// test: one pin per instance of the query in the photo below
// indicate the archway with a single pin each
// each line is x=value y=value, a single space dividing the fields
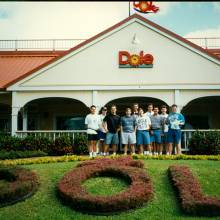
x=55 y=114
x=202 y=113
x=123 y=103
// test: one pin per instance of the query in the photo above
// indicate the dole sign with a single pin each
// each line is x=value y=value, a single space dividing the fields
x=141 y=60
x=145 y=7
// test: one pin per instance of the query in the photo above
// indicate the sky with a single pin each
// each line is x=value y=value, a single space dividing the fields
x=68 y=20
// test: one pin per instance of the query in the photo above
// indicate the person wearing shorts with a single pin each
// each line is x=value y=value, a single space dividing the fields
x=149 y=113
x=92 y=122
x=111 y=124
x=175 y=121
x=164 y=135
x=143 y=124
x=156 y=130
x=128 y=130
x=102 y=132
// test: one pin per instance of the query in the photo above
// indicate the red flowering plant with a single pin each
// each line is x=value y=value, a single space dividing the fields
x=17 y=184
x=140 y=191
x=193 y=201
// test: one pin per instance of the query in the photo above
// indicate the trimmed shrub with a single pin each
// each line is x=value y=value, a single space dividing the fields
x=20 y=154
x=9 y=143
x=205 y=143
x=191 y=197
x=140 y=191
x=16 y=184
x=80 y=146
x=61 y=146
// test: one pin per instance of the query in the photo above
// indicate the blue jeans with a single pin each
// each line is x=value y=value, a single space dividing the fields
x=111 y=138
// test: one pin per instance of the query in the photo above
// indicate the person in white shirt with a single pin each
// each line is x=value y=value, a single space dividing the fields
x=92 y=121
x=143 y=124
x=150 y=111
x=164 y=134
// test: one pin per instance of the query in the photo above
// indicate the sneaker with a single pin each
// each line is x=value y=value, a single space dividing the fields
x=114 y=154
x=125 y=154
x=145 y=152
x=133 y=154
x=150 y=154
x=167 y=153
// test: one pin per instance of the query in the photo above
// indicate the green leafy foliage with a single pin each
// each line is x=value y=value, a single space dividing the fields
x=80 y=144
x=205 y=143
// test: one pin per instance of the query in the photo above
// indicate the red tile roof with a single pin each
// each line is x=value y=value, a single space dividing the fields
x=14 y=64
x=48 y=61
x=216 y=52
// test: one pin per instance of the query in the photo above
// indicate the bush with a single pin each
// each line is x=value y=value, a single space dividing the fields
x=80 y=146
x=20 y=154
x=36 y=143
x=18 y=184
x=205 y=143
x=61 y=146
x=191 y=197
x=140 y=191
x=9 y=143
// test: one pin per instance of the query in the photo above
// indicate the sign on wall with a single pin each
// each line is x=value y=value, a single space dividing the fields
x=145 y=7
x=141 y=60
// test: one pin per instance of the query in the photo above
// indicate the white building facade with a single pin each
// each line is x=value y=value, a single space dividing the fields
x=90 y=74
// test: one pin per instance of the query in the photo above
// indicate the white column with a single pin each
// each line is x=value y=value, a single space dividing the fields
x=95 y=100
x=24 y=119
x=14 y=120
x=177 y=100
x=14 y=114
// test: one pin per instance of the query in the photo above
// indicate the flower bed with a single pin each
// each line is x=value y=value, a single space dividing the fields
x=70 y=158
x=140 y=191
x=16 y=184
x=192 y=199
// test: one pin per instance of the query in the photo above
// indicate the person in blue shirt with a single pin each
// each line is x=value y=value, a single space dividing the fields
x=175 y=121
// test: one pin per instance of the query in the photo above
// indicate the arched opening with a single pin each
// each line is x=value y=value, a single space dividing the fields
x=123 y=103
x=202 y=113
x=5 y=118
x=55 y=114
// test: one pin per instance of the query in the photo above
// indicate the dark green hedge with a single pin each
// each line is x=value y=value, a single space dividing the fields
x=205 y=143
x=60 y=146
x=20 y=154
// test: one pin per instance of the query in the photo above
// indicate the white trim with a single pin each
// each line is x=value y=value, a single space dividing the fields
x=181 y=43
x=115 y=87
x=12 y=87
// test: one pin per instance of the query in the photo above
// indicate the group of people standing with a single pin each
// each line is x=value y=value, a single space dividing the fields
x=150 y=132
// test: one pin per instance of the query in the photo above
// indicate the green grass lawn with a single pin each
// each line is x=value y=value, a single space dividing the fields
x=44 y=205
